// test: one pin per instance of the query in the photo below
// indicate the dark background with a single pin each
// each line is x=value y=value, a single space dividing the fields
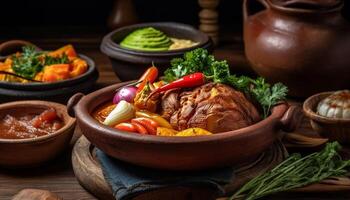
x=25 y=19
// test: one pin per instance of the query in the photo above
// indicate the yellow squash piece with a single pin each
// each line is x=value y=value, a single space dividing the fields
x=162 y=131
x=193 y=132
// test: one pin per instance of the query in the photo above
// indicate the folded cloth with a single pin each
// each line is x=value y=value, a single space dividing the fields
x=127 y=180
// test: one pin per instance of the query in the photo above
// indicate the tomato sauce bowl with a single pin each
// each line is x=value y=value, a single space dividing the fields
x=32 y=151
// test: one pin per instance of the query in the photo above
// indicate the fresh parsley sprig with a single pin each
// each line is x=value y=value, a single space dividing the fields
x=199 y=60
x=27 y=64
x=30 y=62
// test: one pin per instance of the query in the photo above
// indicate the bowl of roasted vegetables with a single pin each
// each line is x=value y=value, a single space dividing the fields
x=196 y=115
x=132 y=48
x=32 y=73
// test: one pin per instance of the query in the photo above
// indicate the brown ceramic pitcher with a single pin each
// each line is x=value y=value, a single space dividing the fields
x=304 y=44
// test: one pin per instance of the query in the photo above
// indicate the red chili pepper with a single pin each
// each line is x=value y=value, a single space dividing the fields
x=145 y=123
x=125 y=127
x=191 y=80
x=140 y=128
x=150 y=75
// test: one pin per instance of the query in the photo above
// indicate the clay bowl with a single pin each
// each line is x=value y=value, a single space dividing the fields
x=179 y=153
x=332 y=128
x=130 y=64
x=19 y=153
x=61 y=90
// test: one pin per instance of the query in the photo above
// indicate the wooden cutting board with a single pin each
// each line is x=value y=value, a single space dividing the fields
x=89 y=174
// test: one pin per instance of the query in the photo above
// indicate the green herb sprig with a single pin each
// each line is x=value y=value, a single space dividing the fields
x=296 y=171
x=199 y=60
x=30 y=62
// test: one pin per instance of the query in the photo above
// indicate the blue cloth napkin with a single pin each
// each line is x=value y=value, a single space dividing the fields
x=127 y=180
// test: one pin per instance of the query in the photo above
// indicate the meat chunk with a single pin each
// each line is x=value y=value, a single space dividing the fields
x=214 y=107
x=170 y=103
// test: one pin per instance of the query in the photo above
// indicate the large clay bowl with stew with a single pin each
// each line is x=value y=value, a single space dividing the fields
x=179 y=153
x=129 y=64
x=29 y=152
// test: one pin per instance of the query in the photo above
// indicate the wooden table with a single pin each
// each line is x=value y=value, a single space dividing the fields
x=57 y=176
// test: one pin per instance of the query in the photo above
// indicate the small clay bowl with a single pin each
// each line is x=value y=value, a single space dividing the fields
x=332 y=128
x=129 y=64
x=180 y=153
x=20 y=153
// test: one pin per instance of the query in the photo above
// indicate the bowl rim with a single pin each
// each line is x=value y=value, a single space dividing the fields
x=81 y=110
x=62 y=83
x=37 y=103
x=311 y=103
x=109 y=44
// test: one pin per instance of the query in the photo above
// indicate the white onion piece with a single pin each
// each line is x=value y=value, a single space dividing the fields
x=124 y=111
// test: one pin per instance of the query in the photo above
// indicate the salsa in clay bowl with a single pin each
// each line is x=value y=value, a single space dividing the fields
x=195 y=116
x=33 y=132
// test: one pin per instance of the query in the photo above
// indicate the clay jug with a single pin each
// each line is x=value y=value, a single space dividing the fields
x=304 y=44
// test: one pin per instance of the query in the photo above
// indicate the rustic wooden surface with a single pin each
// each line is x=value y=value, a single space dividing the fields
x=57 y=176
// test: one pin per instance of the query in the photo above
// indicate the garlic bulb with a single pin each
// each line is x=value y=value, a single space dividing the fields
x=337 y=105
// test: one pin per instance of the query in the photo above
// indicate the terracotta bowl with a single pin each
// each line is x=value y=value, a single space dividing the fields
x=332 y=128
x=18 y=153
x=179 y=153
x=130 y=64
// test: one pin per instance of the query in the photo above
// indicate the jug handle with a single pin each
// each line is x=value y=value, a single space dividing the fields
x=246 y=7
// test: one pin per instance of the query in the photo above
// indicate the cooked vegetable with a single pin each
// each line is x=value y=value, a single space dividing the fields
x=56 y=72
x=193 y=132
x=149 y=121
x=45 y=117
x=67 y=50
x=145 y=123
x=296 y=171
x=188 y=81
x=150 y=76
x=124 y=111
x=143 y=101
x=125 y=93
x=336 y=105
x=126 y=127
x=33 y=66
x=162 y=131
x=199 y=60
x=139 y=128
x=157 y=118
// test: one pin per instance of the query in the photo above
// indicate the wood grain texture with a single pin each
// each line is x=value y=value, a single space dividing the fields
x=35 y=194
